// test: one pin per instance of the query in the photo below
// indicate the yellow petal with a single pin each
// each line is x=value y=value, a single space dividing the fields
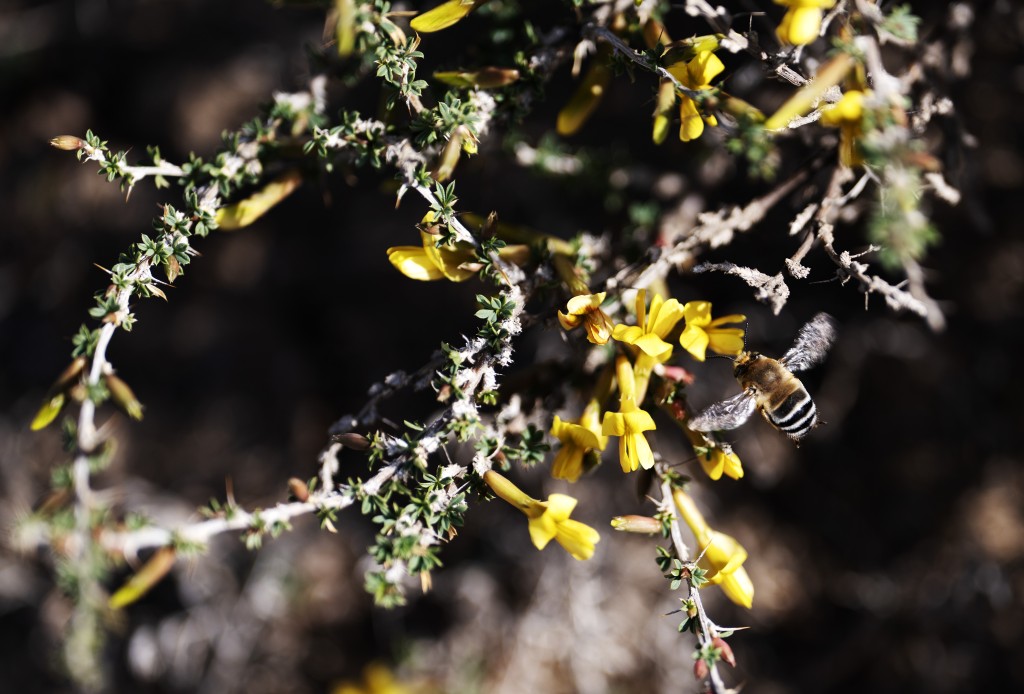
x=144 y=579
x=640 y=449
x=542 y=530
x=726 y=340
x=568 y=463
x=670 y=313
x=697 y=312
x=48 y=412
x=578 y=539
x=800 y=26
x=560 y=429
x=585 y=99
x=559 y=506
x=733 y=467
x=578 y=305
x=713 y=463
x=731 y=318
x=245 y=212
x=413 y=262
x=627 y=333
x=666 y=99
x=738 y=587
x=569 y=320
x=695 y=341
x=442 y=16
x=654 y=346
x=638 y=421
x=627 y=456
x=449 y=260
x=691 y=125
x=849 y=109
x=704 y=68
x=614 y=424
x=345 y=30
x=598 y=326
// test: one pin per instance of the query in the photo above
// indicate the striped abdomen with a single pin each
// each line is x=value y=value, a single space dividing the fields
x=796 y=414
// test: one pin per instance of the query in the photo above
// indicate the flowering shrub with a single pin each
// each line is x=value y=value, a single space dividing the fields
x=637 y=291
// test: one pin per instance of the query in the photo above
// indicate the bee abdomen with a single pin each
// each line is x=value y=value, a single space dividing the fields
x=796 y=415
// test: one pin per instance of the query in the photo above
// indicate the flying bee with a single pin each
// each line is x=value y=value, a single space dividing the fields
x=769 y=385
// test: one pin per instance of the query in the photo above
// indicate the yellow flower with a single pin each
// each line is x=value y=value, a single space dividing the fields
x=586 y=97
x=847 y=115
x=548 y=520
x=652 y=326
x=701 y=332
x=428 y=262
x=443 y=16
x=629 y=422
x=716 y=459
x=695 y=75
x=585 y=310
x=377 y=679
x=577 y=440
x=802 y=22
x=723 y=555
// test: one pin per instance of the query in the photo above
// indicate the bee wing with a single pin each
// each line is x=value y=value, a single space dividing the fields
x=811 y=343
x=727 y=414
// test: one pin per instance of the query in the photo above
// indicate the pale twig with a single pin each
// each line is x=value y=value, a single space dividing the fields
x=707 y=630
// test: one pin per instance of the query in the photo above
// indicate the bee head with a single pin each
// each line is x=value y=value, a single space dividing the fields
x=743 y=362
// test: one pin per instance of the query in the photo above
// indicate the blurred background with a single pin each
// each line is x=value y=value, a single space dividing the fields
x=887 y=551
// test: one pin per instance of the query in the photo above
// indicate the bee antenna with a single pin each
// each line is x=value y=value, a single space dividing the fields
x=722 y=356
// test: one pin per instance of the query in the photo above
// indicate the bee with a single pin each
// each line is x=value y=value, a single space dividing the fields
x=769 y=385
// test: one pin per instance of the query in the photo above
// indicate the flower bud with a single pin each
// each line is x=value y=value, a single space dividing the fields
x=484 y=78
x=357 y=442
x=700 y=669
x=123 y=396
x=637 y=524
x=298 y=489
x=69 y=143
x=724 y=649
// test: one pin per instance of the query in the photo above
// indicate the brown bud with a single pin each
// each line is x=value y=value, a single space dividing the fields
x=298 y=489
x=357 y=442
x=69 y=375
x=725 y=650
x=124 y=396
x=172 y=268
x=700 y=669
x=69 y=143
x=654 y=33
x=494 y=77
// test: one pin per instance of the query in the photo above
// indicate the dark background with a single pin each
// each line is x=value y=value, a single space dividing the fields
x=886 y=551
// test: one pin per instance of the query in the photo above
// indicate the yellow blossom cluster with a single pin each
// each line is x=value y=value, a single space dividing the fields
x=649 y=338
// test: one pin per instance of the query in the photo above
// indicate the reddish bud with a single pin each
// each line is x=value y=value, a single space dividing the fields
x=700 y=669
x=725 y=650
